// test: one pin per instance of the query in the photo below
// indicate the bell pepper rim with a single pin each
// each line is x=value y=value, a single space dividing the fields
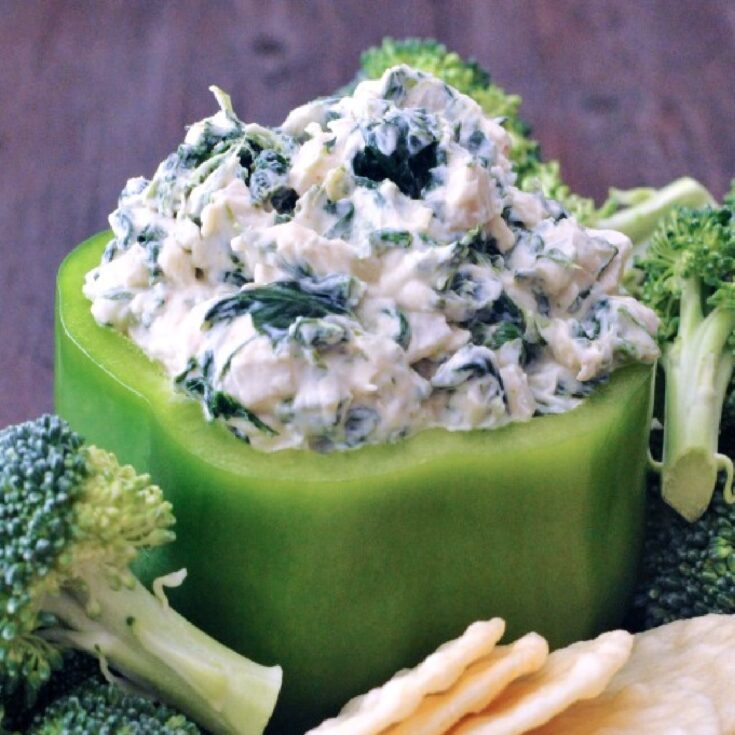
x=184 y=421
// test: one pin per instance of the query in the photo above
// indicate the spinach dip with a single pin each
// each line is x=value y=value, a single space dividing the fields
x=362 y=272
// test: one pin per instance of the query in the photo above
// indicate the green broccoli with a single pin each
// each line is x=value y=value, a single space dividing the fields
x=688 y=568
x=634 y=212
x=688 y=272
x=76 y=668
x=96 y=706
x=73 y=520
x=637 y=212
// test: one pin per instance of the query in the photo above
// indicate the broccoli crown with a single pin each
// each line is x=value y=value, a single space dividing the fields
x=71 y=522
x=429 y=56
x=62 y=506
x=42 y=468
x=95 y=706
x=695 y=246
x=76 y=668
x=688 y=568
x=730 y=196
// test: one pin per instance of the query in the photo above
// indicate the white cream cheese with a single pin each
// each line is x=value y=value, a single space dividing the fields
x=365 y=271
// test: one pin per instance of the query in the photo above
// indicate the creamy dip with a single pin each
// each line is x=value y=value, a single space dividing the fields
x=363 y=272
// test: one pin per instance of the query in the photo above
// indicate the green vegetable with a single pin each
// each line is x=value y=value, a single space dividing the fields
x=73 y=521
x=197 y=381
x=688 y=274
x=348 y=566
x=688 y=568
x=637 y=212
x=16 y=711
x=274 y=308
x=95 y=706
x=402 y=147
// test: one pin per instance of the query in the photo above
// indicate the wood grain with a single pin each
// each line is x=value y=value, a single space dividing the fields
x=624 y=92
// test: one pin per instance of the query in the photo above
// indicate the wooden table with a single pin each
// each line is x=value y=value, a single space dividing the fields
x=624 y=92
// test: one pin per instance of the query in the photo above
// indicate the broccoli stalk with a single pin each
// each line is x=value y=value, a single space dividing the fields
x=688 y=279
x=637 y=212
x=73 y=521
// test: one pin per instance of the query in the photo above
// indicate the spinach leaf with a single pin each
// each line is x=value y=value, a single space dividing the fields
x=197 y=380
x=275 y=307
x=389 y=238
x=480 y=248
x=470 y=361
x=317 y=334
x=496 y=324
x=268 y=176
x=344 y=210
x=403 y=147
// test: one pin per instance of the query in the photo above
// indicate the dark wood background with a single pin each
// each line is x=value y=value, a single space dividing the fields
x=624 y=92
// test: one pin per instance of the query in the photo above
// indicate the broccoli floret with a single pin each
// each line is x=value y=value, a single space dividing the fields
x=688 y=568
x=76 y=668
x=729 y=199
x=427 y=55
x=95 y=706
x=688 y=273
x=73 y=520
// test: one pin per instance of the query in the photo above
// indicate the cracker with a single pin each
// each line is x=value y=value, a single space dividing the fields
x=382 y=707
x=653 y=708
x=702 y=649
x=476 y=688
x=580 y=671
x=671 y=666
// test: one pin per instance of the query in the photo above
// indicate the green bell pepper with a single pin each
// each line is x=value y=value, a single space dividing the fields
x=346 y=567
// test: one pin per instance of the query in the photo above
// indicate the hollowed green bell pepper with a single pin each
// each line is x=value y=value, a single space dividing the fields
x=346 y=567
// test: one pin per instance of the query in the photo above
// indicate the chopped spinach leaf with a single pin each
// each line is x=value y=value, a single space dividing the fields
x=344 y=210
x=122 y=227
x=403 y=147
x=402 y=334
x=502 y=333
x=197 y=380
x=211 y=142
x=468 y=362
x=317 y=333
x=275 y=307
x=268 y=176
x=386 y=239
x=361 y=421
x=480 y=248
x=235 y=278
x=503 y=311
x=595 y=321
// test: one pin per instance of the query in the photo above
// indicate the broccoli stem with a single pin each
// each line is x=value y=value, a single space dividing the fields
x=640 y=220
x=166 y=656
x=698 y=367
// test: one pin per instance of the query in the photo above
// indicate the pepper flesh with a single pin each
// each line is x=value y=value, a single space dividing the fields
x=346 y=567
